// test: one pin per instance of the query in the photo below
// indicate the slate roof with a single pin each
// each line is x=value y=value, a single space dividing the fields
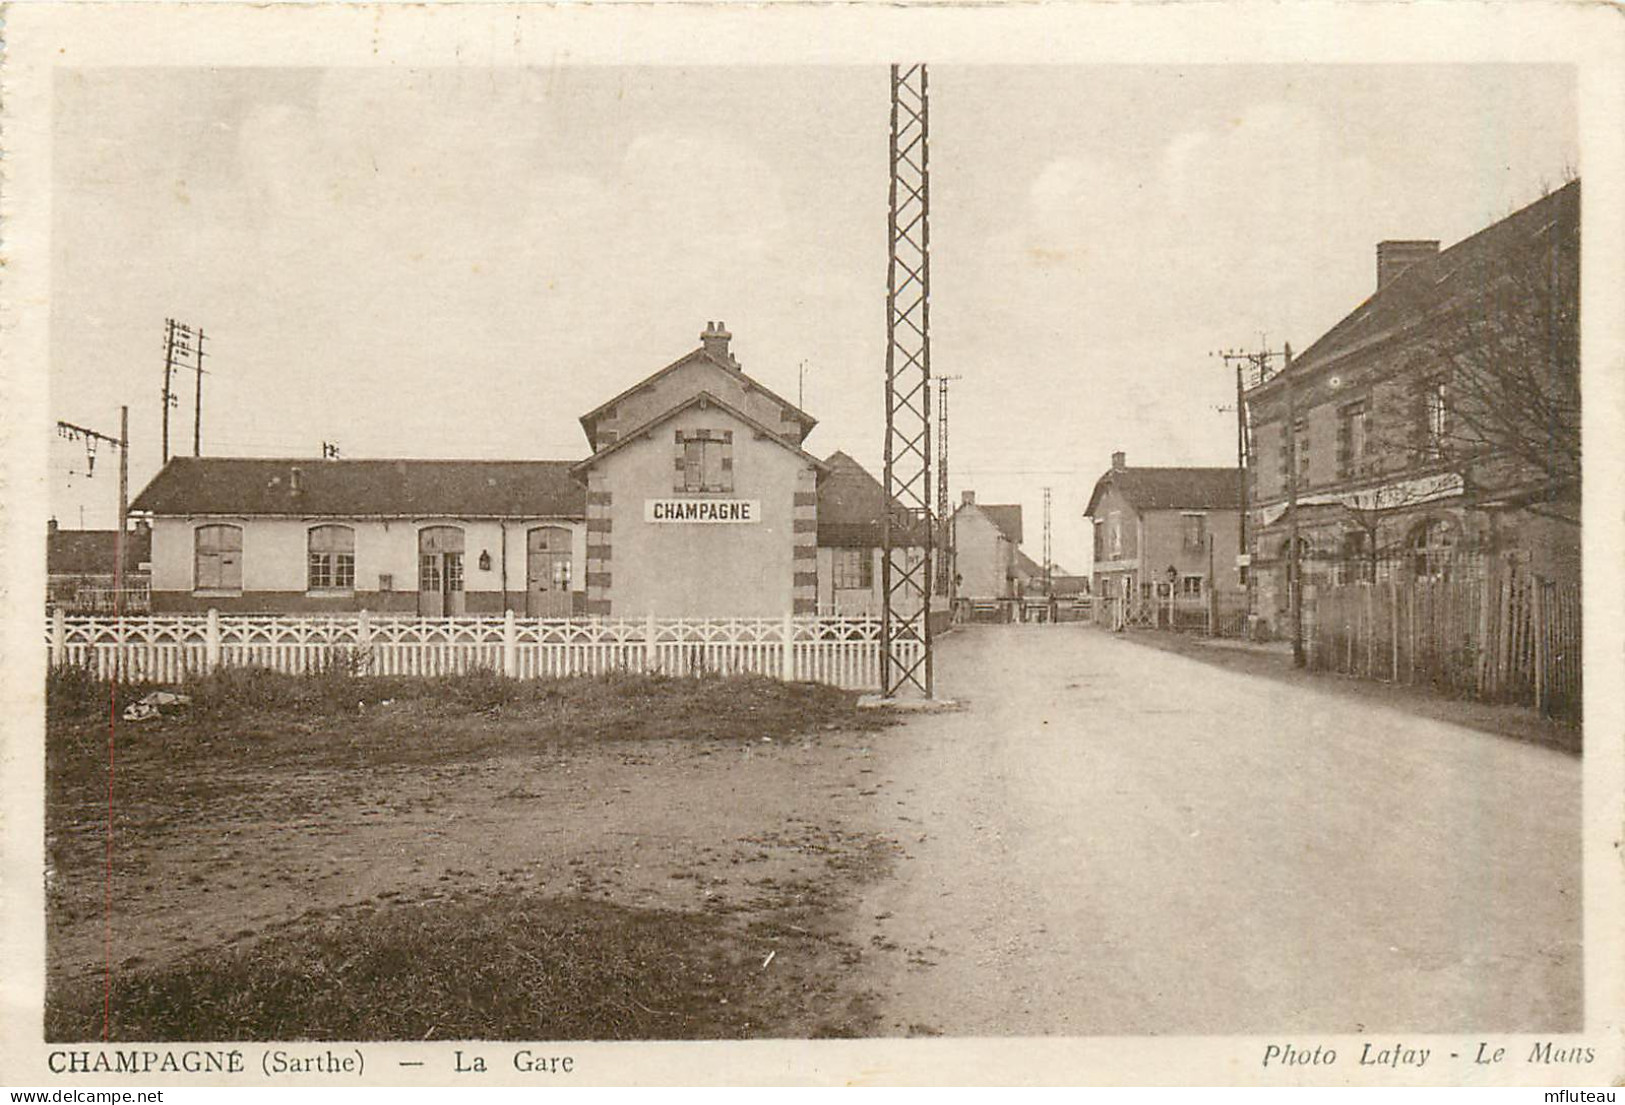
x=699 y=398
x=590 y=420
x=1007 y=516
x=1414 y=292
x=1060 y=584
x=850 y=508
x=365 y=488
x=1171 y=488
x=90 y=551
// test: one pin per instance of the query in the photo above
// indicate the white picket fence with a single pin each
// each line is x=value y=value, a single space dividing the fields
x=842 y=651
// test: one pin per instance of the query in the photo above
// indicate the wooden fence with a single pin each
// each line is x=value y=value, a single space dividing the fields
x=1214 y=614
x=97 y=595
x=1505 y=637
x=841 y=651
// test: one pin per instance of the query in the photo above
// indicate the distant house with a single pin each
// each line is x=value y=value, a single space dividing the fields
x=1156 y=527
x=1438 y=423
x=1065 y=585
x=851 y=513
x=988 y=563
x=79 y=566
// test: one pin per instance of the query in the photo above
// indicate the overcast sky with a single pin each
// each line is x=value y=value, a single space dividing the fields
x=459 y=263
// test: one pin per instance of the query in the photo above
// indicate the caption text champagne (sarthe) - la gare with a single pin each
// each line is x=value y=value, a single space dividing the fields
x=281 y=1062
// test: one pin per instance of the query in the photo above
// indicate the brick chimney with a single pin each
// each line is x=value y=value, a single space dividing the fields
x=1394 y=257
x=967 y=498
x=1119 y=461
x=715 y=338
x=50 y=526
x=296 y=480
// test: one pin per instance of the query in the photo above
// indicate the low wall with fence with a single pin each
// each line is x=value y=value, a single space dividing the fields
x=1215 y=614
x=1504 y=637
x=843 y=652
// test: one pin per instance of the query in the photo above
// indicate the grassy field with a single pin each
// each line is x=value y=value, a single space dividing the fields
x=342 y=857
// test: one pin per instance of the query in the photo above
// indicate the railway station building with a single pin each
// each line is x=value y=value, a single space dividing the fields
x=697 y=499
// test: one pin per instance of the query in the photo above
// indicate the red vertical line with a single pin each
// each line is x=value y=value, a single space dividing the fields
x=112 y=733
x=119 y=552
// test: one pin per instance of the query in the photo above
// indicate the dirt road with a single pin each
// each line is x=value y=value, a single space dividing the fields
x=1113 y=839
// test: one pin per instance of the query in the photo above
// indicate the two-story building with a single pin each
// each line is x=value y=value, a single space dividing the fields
x=1170 y=528
x=1437 y=424
x=698 y=500
x=851 y=525
x=986 y=550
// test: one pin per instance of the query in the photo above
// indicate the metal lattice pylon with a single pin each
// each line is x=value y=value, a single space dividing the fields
x=906 y=578
x=945 y=566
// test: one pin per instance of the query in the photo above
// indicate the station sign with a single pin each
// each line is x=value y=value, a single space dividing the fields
x=703 y=511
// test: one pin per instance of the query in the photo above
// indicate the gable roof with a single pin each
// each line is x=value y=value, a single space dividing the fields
x=1028 y=568
x=1419 y=289
x=1007 y=516
x=90 y=551
x=697 y=399
x=851 y=506
x=807 y=421
x=363 y=488
x=1171 y=488
x=1060 y=584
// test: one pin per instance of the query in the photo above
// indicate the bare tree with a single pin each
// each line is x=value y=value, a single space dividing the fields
x=1497 y=385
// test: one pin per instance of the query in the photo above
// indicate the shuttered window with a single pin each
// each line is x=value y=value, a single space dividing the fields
x=1351 y=440
x=703 y=461
x=1438 y=417
x=1194 y=527
x=218 y=560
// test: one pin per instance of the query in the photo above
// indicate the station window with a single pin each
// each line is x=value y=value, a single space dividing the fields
x=854 y=570
x=704 y=461
x=331 y=559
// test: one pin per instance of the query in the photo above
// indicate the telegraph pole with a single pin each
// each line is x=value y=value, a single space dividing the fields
x=945 y=555
x=197 y=408
x=182 y=346
x=72 y=432
x=1047 y=569
x=1259 y=363
x=1295 y=557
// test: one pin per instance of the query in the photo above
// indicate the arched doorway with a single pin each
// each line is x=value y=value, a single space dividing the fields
x=547 y=572
x=440 y=571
